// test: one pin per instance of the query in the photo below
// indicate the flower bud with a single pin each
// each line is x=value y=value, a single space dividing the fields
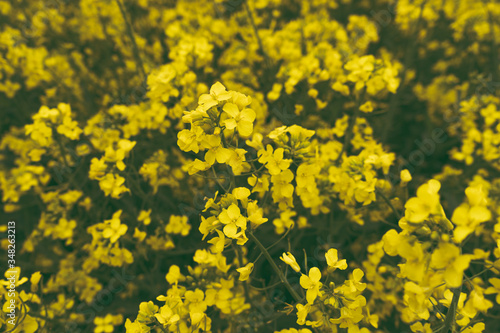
x=289 y=259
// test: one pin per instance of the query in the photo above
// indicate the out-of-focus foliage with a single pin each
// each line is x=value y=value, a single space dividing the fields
x=251 y=166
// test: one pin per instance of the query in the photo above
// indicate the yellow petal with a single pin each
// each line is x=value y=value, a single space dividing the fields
x=315 y=274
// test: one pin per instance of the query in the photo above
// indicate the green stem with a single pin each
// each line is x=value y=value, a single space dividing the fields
x=449 y=323
x=216 y=177
x=388 y=202
x=275 y=267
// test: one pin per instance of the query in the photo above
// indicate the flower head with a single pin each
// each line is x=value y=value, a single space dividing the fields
x=312 y=284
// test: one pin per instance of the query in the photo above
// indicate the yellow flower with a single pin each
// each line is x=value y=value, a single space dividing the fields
x=241 y=193
x=391 y=241
x=275 y=92
x=332 y=260
x=132 y=327
x=245 y=271
x=207 y=225
x=366 y=107
x=196 y=166
x=241 y=120
x=284 y=221
x=217 y=94
x=197 y=306
x=103 y=324
x=232 y=219
x=27 y=325
x=178 y=225
x=117 y=156
x=40 y=133
x=112 y=185
x=494 y=289
x=218 y=242
x=289 y=259
x=114 y=228
x=274 y=161
x=477 y=328
x=418 y=327
x=294 y=330
x=467 y=219
x=144 y=217
x=312 y=284
x=97 y=168
x=302 y=312
x=167 y=316
x=189 y=140
x=405 y=176
x=425 y=203
x=415 y=266
x=34 y=279
x=468 y=216
x=64 y=230
x=174 y=275
x=216 y=152
x=83 y=149
x=354 y=283
x=236 y=161
x=69 y=128
x=341 y=88
x=254 y=213
x=146 y=311
x=140 y=235
x=13 y=274
x=447 y=256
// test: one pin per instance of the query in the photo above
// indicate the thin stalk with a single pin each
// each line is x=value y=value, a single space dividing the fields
x=449 y=323
x=216 y=177
x=388 y=202
x=275 y=267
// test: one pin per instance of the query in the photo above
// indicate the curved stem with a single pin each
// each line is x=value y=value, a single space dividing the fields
x=216 y=177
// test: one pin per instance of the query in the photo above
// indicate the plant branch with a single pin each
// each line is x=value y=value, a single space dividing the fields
x=449 y=323
x=275 y=267
x=388 y=202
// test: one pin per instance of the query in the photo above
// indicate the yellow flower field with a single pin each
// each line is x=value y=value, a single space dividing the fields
x=237 y=166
